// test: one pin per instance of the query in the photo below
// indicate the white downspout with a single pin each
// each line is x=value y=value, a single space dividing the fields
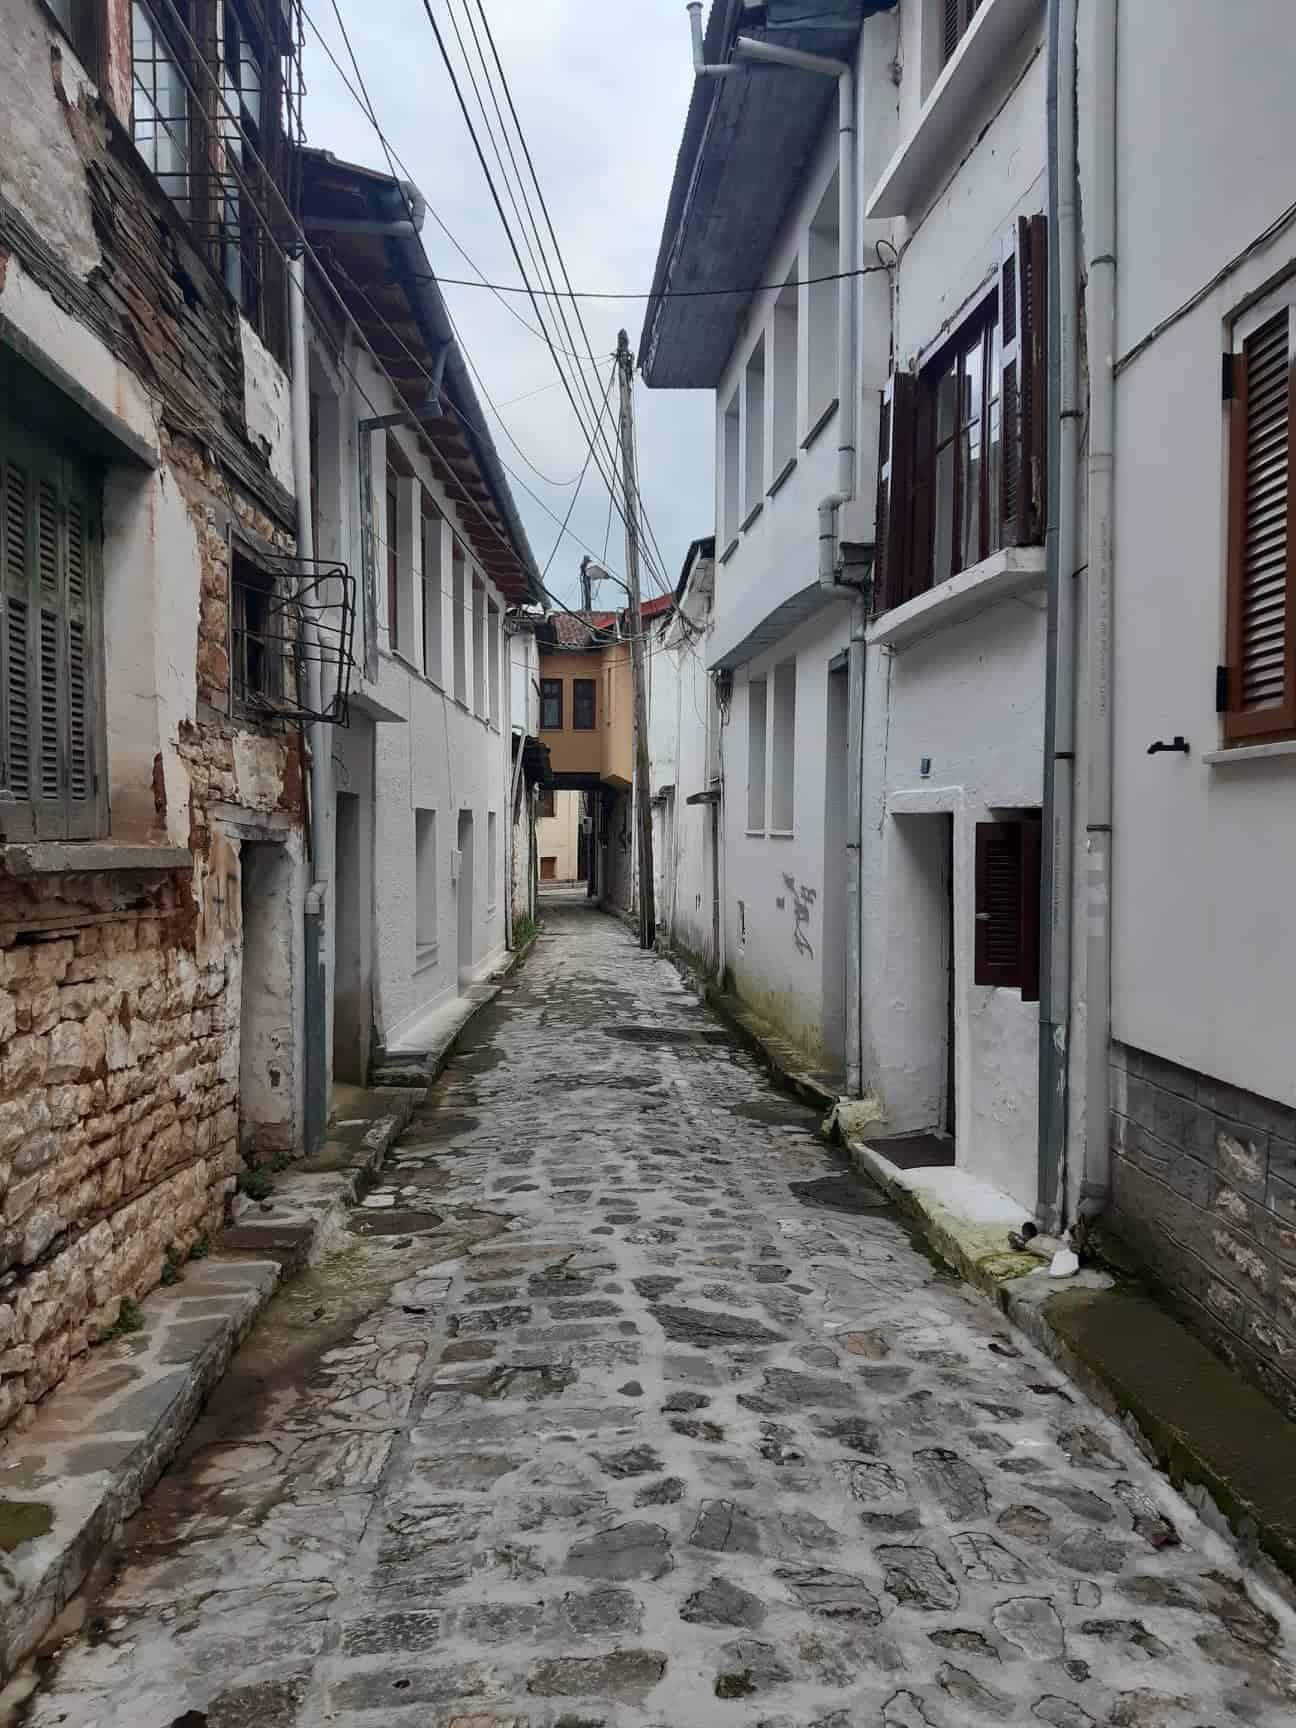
x=1101 y=322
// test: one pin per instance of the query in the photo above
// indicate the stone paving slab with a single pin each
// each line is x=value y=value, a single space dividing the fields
x=661 y=1424
x=101 y=1440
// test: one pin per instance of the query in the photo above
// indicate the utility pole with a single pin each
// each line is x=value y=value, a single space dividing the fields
x=643 y=791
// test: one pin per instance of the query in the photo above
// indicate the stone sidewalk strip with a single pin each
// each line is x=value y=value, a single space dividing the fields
x=632 y=1405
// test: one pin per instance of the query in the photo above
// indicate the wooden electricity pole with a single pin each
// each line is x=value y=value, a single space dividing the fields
x=643 y=790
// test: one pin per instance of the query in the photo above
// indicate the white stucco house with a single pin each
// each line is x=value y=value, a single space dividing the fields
x=764 y=202
x=410 y=493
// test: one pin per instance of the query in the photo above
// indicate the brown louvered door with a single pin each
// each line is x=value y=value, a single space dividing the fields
x=49 y=713
x=1008 y=862
x=895 y=491
x=1262 y=533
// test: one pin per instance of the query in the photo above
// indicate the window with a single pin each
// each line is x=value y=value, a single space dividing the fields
x=241 y=236
x=961 y=445
x=545 y=803
x=51 y=731
x=784 y=766
x=957 y=15
x=432 y=579
x=730 y=471
x=583 y=690
x=492 y=862
x=258 y=645
x=81 y=26
x=459 y=622
x=426 y=929
x=493 y=650
x=551 y=704
x=824 y=294
x=964 y=388
x=756 y=755
x=1008 y=904
x=160 y=107
x=479 y=647
x=754 y=397
x=393 y=565
x=785 y=376
x=1259 y=693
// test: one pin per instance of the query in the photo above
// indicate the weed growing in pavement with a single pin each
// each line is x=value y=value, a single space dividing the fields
x=172 y=1266
x=129 y=1319
x=256 y=1184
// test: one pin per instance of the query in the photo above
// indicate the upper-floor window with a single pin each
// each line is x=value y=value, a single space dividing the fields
x=730 y=471
x=961 y=445
x=1260 y=664
x=551 y=704
x=393 y=564
x=957 y=16
x=160 y=113
x=242 y=236
x=52 y=744
x=583 y=690
x=823 y=290
x=260 y=641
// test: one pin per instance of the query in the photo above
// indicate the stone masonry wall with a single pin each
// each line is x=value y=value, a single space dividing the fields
x=1204 y=1189
x=118 y=1114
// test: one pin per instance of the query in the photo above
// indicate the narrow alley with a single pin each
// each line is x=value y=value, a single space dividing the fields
x=627 y=1403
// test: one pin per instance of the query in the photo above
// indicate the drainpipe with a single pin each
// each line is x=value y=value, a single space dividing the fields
x=509 y=839
x=1063 y=492
x=1101 y=321
x=855 y=668
x=315 y=1101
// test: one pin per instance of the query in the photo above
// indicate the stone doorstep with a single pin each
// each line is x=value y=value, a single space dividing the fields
x=104 y=1435
x=394 y=1069
x=1201 y=1423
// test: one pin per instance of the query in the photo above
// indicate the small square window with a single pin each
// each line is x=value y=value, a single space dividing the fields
x=258 y=638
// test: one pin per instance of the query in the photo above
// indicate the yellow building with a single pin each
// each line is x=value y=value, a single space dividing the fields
x=586 y=702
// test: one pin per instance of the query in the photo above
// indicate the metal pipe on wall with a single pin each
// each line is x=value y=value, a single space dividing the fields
x=1100 y=300
x=1059 y=722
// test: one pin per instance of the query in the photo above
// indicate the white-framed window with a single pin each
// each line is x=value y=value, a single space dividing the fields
x=754 y=431
x=479 y=648
x=783 y=766
x=433 y=577
x=756 y=730
x=786 y=333
x=492 y=861
x=426 y=929
x=493 y=653
x=731 y=470
x=160 y=120
x=459 y=603
x=823 y=257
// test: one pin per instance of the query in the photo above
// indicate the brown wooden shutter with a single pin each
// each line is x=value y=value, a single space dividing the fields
x=1008 y=905
x=1023 y=329
x=918 y=562
x=1261 y=682
x=895 y=490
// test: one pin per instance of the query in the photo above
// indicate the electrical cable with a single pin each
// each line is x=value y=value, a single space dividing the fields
x=544 y=206
x=663 y=293
x=499 y=208
x=347 y=314
x=454 y=281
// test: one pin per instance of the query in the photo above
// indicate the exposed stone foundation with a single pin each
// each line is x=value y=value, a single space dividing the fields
x=1204 y=1188
x=118 y=1115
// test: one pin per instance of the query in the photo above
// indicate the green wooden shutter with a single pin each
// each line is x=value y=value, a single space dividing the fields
x=49 y=643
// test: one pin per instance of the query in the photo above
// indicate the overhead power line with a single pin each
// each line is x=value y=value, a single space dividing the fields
x=669 y=293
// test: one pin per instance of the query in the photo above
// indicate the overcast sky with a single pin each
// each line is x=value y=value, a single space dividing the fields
x=601 y=88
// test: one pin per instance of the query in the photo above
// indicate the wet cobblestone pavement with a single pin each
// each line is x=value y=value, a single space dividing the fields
x=629 y=1409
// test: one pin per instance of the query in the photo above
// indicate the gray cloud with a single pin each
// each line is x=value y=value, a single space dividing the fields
x=601 y=90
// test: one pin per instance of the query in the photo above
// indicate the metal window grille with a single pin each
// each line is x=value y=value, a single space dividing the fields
x=286 y=614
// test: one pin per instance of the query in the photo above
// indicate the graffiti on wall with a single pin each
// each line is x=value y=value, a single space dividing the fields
x=803 y=900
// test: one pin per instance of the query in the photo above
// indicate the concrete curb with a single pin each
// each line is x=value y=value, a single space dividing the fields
x=776 y=1054
x=1166 y=1392
x=144 y=1391
x=395 y=1069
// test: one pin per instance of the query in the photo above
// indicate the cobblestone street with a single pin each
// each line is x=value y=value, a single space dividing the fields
x=627 y=1403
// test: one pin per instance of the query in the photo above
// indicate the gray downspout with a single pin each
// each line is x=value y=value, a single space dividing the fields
x=1059 y=711
x=856 y=665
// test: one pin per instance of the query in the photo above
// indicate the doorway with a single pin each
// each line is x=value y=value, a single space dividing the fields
x=268 y=1002
x=466 y=889
x=351 y=1011
x=922 y=1101
x=836 y=752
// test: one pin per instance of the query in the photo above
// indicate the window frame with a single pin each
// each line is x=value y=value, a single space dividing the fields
x=244 y=698
x=195 y=128
x=955 y=19
x=546 y=803
x=393 y=560
x=579 y=685
x=53 y=465
x=1008 y=866
x=978 y=333
x=551 y=689
x=1275 y=722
